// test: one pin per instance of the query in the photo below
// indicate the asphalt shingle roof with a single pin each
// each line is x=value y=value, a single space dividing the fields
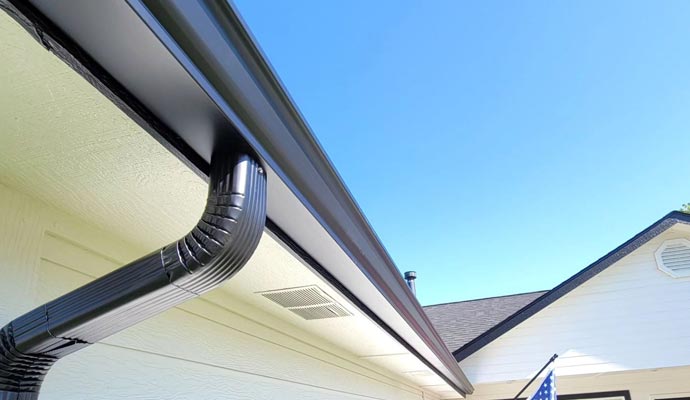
x=460 y=322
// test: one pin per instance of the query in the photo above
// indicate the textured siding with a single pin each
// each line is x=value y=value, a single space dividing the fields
x=215 y=347
x=629 y=317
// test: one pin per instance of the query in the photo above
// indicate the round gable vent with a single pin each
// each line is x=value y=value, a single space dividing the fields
x=673 y=257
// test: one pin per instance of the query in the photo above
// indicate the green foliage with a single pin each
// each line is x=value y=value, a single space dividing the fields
x=685 y=208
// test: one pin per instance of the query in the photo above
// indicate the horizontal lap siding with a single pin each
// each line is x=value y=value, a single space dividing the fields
x=643 y=385
x=629 y=317
x=213 y=347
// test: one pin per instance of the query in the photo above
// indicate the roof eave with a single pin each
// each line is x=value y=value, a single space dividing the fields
x=224 y=69
x=269 y=120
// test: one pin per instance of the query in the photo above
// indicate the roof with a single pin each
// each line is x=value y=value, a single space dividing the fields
x=460 y=322
x=467 y=348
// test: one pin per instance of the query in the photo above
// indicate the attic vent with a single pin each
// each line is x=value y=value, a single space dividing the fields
x=309 y=302
x=673 y=257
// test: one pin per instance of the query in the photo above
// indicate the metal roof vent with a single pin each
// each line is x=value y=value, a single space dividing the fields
x=673 y=257
x=309 y=302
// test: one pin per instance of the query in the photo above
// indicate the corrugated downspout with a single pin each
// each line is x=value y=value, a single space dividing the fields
x=218 y=246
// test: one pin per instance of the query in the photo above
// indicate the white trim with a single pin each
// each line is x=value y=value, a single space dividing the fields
x=675 y=395
x=594 y=398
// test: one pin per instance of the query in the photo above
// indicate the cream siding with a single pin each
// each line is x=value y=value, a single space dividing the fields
x=629 y=317
x=216 y=347
x=643 y=385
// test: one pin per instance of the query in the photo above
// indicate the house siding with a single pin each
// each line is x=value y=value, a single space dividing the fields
x=642 y=385
x=629 y=317
x=212 y=347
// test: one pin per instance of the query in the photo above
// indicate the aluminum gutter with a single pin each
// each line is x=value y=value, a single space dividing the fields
x=215 y=38
x=197 y=70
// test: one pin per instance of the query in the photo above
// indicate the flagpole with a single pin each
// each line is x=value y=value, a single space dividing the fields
x=552 y=359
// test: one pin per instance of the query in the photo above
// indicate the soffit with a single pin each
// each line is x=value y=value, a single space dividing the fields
x=70 y=147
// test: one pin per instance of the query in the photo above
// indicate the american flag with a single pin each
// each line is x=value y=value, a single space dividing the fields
x=547 y=390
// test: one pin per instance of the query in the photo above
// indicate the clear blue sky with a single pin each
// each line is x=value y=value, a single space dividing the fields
x=496 y=147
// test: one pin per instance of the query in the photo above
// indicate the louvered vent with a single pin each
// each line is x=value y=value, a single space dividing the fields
x=309 y=302
x=673 y=257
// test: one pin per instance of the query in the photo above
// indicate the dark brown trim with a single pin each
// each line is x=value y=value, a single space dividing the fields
x=670 y=219
x=56 y=41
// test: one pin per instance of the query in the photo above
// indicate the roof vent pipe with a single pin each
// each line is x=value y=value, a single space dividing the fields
x=215 y=249
x=410 y=277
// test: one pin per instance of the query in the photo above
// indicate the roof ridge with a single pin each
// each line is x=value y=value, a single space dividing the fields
x=485 y=298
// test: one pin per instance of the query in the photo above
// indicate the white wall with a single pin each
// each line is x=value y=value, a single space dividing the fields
x=215 y=347
x=629 y=317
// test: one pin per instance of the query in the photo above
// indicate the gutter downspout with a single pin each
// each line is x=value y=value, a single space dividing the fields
x=216 y=248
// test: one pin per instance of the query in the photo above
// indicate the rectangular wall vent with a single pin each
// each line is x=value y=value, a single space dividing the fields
x=309 y=302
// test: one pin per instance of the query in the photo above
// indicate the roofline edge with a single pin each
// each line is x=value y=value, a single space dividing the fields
x=69 y=51
x=565 y=287
x=271 y=123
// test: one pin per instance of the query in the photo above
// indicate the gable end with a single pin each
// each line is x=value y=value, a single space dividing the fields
x=660 y=226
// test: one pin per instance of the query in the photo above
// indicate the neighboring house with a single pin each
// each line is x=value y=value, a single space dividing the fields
x=621 y=326
x=108 y=163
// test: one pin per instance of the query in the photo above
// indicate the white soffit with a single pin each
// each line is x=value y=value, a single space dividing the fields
x=193 y=106
x=66 y=144
x=275 y=267
x=70 y=147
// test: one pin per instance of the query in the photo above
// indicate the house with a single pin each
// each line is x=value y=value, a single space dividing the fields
x=171 y=228
x=148 y=155
x=620 y=326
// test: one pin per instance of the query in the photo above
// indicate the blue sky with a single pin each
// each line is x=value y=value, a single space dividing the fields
x=496 y=147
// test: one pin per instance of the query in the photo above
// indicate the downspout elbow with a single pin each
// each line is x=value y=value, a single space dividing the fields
x=212 y=252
